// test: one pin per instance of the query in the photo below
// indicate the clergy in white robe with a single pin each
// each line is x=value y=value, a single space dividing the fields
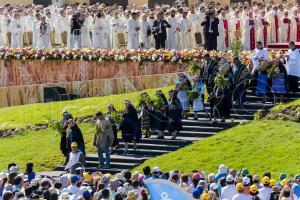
x=201 y=15
x=50 y=20
x=28 y=31
x=16 y=32
x=235 y=27
x=35 y=33
x=185 y=27
x=151 y=20
x=133 y=32
x=86 y=32
x=293 y=69
x=273 y=30
x=98 y=32
x=61 y=28
x=5 y=28
x=116 y=25
x=259 y=55
x=248 y=39
x=295 y=26
x=195 y=28
x=44 y=31
x=173 y=39
x=262 y=29
x=145 y=33
x=223 y=38
x=285 y=28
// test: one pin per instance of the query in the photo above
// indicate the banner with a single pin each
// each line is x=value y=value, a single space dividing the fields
x=160 y=189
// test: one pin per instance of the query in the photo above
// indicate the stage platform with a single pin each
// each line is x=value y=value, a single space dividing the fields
x=281 y=46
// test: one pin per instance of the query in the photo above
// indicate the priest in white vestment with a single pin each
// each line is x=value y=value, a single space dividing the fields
x=16 y=31
x=5 y=28
x=196 y=24
x=44 y=31
x=145 y=33
x=259 y=55
x=185 y=27
x=173 y=39
x=248 y=39
x=285 y=28
x=223 y=38
x=293 y=67
x=133 y=32
x=61 y=28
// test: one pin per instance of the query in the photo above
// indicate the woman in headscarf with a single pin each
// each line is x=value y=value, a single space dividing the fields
x=64 y=146
x=174 y=114
x=111 y=109
x=279 y=80
x=131 y=128
x=75 y=135
x=159 y=121
x=198 y=103
x=182 y=85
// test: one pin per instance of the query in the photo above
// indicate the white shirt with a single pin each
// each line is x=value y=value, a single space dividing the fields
x=259 y=53
x=264 y=193
x=241 y=196
x=293 y=63
x=73 y=189
x=228 y=192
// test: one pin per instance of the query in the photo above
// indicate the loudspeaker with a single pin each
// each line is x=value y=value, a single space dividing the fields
x=57 y=94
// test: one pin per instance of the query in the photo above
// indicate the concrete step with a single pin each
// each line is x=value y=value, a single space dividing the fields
x=179 y=143
x=93 y=169
x=141 y=146
x=114 y=165
x=142 y=152
x=117 y=158
x=190 y=134
x=201 y=128
x=232 y=115
x=191 y=122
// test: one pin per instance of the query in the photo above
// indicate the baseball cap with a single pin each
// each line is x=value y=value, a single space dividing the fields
x=73 y=144
x=196 y=176
x=229 y=178
x=282 y=176
x=245 y=172
x=239 y=186
x=272 y=183
x=246 y=180
x=283 y=182
x=74 y=179
x=205 y=196
x=253 y=188
x=156 y=169
x=266 y=180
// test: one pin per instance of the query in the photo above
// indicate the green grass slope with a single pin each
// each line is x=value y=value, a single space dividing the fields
x=259 y=146
x=21 y=116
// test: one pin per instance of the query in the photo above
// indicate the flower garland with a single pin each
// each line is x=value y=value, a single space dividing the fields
x=122 y=55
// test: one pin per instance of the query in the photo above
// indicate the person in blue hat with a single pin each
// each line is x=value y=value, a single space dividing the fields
x=198 y=192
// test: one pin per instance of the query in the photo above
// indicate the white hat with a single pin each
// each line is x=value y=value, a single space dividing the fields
x=14 y=169
x=64 y=180
x=246 y=180
x=156 y=169
x=213 y=186
x=229 y=178
x=120 y=177
x=223 y=168
x=121 y=190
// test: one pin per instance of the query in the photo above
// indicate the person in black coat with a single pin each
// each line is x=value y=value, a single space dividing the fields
x=160 y=26
x=210 y=30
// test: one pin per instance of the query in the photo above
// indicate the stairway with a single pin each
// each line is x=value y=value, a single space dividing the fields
x=193 y=130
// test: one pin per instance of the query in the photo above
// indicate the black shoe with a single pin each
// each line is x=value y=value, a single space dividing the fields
x=160 y=137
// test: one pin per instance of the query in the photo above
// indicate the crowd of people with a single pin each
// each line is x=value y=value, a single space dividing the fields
x=164 y=26
x=226 y=184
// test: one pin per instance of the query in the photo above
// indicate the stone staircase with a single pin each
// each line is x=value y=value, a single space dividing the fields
x=193 y=130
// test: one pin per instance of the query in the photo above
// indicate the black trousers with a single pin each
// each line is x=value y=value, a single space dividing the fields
x=160 y=42
x=293 y=83
x=211 y=42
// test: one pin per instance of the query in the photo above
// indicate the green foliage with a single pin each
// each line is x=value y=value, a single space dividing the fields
x=193 y=94
x=55 y=125
x=158 y=102
x=258 y=115
x=116 y=117
x=220 y=80
x=144 y=100
x=273 y=72
x=195 y=67
x=236 y=47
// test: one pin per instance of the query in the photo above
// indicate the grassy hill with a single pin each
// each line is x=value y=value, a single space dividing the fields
x=21 y=116
x=260 y=146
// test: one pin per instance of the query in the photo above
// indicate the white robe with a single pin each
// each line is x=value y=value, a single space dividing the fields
x=144 y=38
x=270 y=17
x=261 y=54
x=43 y=38
x=283 y=31
x=260 y=30
x=61 y=25
x=133 y=34
x=246 y=33
x=5 y=28
x=195 y=24
x=185 y=36
x=16 y=34
x=173 y=39
x=98 y=34
x=116 y=27
x=222 y=35
x=35 y=33
x=294 y=28
x=293 y=63
x=86 y=40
